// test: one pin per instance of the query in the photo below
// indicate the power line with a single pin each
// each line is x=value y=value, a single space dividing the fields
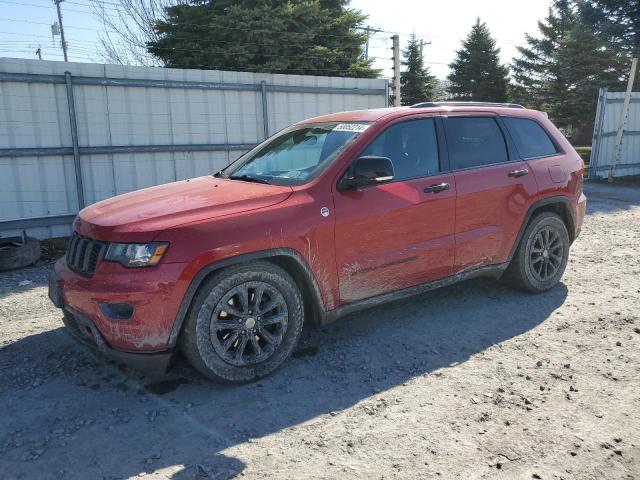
x=80 y=44
x=223 y=50
x=90 y=12
x=369 y=31
x=82 y=53
x=44 y=23
x=205 y=41
x=25 y=35
x=118 y=8
x=210 y=26
x=195 y=27
x=33 y=5
x=101 y=2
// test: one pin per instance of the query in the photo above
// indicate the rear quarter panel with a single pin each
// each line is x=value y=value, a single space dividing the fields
x=554 y=178
x=560 y=174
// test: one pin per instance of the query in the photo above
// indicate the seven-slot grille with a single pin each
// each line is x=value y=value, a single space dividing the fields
x=84 y=254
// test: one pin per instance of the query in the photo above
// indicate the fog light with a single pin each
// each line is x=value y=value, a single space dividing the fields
x=117 y=311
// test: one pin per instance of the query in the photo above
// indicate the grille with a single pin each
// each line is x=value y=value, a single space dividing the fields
x=84 y=254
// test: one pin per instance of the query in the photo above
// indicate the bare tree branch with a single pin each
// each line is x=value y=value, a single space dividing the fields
x=128 y=27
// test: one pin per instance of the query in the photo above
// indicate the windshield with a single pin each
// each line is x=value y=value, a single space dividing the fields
x=294 y=155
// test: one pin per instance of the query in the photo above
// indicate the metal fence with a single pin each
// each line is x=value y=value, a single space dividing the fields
x=610 y=105
x=72 y=134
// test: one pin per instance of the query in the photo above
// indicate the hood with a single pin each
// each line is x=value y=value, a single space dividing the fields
x=155 y=209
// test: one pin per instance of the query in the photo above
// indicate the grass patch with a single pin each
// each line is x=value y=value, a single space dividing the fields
x=585 y=153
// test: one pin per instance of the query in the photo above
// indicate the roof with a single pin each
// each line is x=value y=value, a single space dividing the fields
x=466 y=104
x=440 y=107
x=356 y=115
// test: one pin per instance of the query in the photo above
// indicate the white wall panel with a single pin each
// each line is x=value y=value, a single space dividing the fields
x=36 y=115
x=605 y=137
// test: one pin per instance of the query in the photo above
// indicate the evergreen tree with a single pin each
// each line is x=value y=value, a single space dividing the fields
x=617 y=24
x=539 y=78
x=618 y=21
x=561 y=71
x=306 y=37
x=416 y=82
x=586 y=64
x=476 y=73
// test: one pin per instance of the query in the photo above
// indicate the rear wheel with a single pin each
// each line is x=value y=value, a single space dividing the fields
x=244 y=323
x=542 y=254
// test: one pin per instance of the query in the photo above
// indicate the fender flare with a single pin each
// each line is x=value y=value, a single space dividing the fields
x=199 y=278
x=554 y=200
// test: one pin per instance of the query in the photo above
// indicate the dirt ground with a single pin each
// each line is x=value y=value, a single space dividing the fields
x=472 y=381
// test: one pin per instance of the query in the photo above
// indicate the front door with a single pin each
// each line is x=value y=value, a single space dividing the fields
x=398 y=234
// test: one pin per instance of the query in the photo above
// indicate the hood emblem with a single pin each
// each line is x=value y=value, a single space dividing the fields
x=324 y=211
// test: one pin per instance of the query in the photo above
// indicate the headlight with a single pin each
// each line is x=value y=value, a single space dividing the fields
x=136 y=254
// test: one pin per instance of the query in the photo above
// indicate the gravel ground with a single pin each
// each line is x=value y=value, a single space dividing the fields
x=472 y=381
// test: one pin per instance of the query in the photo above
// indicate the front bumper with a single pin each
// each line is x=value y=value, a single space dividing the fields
x=140 y=341
x=83 y=330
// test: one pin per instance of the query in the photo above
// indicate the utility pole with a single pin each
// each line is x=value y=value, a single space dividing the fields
x=396 y=70
x=623 y=119
x=64 y=42
x=422 y=44
x=369 y=31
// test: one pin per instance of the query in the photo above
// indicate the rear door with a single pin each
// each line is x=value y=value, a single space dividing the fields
x=398 y=234
x=494 y=189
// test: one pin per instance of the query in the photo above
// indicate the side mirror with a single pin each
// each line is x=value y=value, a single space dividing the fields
x=367 y=171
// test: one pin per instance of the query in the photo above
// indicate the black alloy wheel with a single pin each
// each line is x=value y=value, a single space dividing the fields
x=243 y=323
x=546 y=254
x=248 y=323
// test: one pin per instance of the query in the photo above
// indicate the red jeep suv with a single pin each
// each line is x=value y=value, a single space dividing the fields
x=330 y=215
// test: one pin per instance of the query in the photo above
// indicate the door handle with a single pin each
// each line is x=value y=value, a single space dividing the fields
x=518 y=173
x=435 y=188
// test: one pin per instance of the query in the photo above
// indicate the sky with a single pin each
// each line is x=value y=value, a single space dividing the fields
x=26 y=24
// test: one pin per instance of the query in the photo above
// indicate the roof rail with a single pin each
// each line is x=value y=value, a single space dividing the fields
x=465 y=104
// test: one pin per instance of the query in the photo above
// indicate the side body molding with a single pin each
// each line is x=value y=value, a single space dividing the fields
x=323 y=316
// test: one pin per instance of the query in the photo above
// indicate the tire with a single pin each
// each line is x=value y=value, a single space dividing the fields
x=219 y=323
x=542 y=255
x=16 y=254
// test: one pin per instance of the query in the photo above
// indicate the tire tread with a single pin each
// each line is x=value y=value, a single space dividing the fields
x=516 y=275
x=188 y=340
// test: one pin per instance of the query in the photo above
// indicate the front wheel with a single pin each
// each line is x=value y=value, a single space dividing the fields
x=542 y=255
x=244 y=323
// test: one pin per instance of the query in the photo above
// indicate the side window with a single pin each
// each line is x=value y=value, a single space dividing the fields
x=474 y=141
x=530 y=138
x=412 y=147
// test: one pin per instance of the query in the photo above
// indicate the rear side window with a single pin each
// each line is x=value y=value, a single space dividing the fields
x=530 y=138
x=411 y=146
x=475 y=141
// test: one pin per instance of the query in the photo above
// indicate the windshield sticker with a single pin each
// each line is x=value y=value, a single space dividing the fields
x=351 y=127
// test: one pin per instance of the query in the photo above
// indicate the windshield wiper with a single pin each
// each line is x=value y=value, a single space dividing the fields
x=249 y=178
